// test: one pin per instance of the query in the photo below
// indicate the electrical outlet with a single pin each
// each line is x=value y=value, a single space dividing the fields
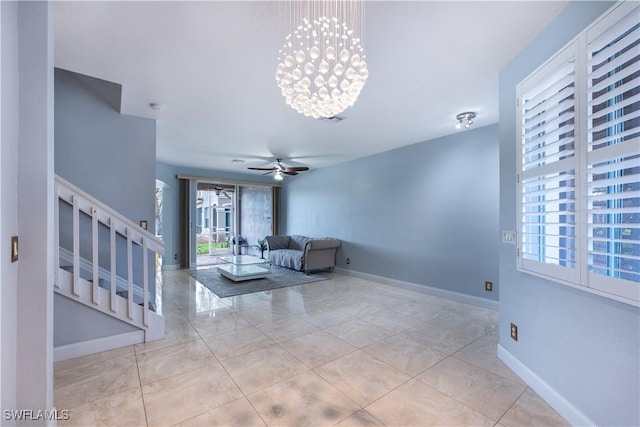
x=175 y=257
x=514 y=332
x=488 y=286
x=348 y=261
x=14 y=248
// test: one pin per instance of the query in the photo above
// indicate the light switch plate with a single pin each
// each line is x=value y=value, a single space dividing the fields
x=509 y=236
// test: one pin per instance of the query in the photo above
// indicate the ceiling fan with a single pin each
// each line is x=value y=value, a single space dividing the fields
x=279 y=170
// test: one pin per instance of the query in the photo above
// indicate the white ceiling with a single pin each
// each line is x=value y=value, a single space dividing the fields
x=212 y=65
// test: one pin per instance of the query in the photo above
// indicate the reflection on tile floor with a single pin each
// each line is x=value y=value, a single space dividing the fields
x=345 y=351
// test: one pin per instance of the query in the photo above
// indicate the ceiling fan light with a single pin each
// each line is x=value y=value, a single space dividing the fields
x=278 y=176
x=465 y=119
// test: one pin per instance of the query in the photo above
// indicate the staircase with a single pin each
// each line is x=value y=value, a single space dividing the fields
x=89 y=274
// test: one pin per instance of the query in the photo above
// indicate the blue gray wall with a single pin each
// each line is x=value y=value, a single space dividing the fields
x=107 y=154
x=426 y=214
x=111 y=156
x=583 y=346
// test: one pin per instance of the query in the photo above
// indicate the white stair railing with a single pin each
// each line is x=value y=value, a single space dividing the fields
x=88 y=289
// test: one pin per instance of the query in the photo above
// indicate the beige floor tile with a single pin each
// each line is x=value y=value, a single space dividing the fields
x=77 y=386
x=360 y=419
x=358 y=332
x=317 y=348
x=361 y=377
x=183 y=396
x=390 y=320
x=177 y=330
x=405 y=354
x=425 y=311
x=531 y=410
x=484 y=354
x=258 y=315
x=218 y=322
x=287 y=329
x=417 y=404
x=487 y=393
x=461 y=324
x=440 y=339
x=325 y=318
x=261 y=368
x=121 y=409
x=93 y=359
x=238 y=341
x=360 y=308
x=238 y=413
x=168 y=361
x=304 y=400
x=404 y=333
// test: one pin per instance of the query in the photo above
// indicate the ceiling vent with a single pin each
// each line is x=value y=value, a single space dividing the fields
x=332 y=119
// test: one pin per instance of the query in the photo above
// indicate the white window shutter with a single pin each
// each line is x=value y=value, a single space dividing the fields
x=613 y=153
x=546 y=199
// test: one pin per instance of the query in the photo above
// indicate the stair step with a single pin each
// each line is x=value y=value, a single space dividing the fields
x=125 y=295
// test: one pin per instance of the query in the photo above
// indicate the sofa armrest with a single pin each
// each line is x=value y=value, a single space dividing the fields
x=319 y=244
x=320 y=253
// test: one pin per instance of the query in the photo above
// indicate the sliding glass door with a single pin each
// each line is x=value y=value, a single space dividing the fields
x=230 y=218
x=215 y=224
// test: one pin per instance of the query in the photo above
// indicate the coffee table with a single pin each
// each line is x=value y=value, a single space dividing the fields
x=244 y=267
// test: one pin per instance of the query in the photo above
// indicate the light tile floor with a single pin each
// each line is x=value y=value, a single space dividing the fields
x=344 y=351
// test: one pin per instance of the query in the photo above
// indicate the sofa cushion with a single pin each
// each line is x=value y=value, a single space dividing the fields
x=289 y=258
x=278 y=242
x=298 y=242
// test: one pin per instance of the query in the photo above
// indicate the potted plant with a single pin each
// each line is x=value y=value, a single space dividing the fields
x=261 y=246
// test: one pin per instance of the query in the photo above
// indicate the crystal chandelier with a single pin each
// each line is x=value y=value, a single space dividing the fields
x=322 y=67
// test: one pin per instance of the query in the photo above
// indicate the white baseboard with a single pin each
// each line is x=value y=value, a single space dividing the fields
x=456 y=296
x=97 y=345
x=562 y=406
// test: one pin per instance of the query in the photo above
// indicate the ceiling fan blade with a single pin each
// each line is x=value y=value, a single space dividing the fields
x=297 y=169
x=290 y=173
x=261 y=169
x=267 y=173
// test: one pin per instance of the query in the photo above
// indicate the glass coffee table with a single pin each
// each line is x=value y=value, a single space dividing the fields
x=244 y=267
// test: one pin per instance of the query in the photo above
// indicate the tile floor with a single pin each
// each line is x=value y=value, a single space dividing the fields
x=345 y=351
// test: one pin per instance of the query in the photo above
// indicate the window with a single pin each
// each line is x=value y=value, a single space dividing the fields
x=579 y=161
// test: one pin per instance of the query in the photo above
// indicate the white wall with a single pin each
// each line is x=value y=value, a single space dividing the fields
x=34 y=389
x=9 y=197
x=26 y=174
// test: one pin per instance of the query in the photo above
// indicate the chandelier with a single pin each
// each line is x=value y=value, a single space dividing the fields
x=322 y=67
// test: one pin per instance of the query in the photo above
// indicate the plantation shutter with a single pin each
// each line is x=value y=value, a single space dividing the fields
x=613 y=154
x=547 y=208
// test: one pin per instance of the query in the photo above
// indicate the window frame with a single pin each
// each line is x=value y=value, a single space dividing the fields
x=580 y=276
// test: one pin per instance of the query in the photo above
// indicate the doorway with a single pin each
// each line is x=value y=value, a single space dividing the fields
x=215 y=221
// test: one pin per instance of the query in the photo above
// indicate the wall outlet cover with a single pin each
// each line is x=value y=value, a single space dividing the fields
x=514 y=332
x=14 y=248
